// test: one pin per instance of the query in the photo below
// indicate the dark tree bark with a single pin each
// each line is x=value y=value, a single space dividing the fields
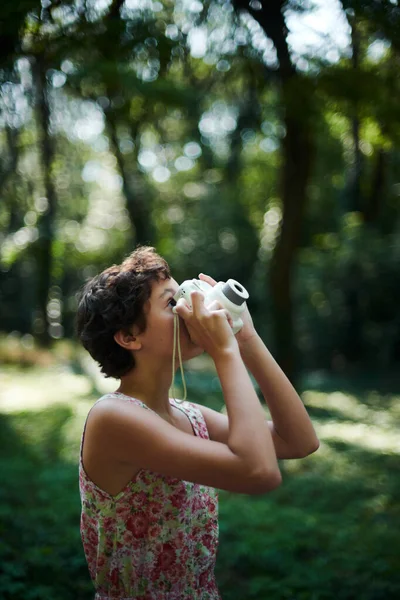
x=249 y=117
x=355 y=200
x=353 y=340
x=298 y=152
x=9 y=164
x=8 y=168
x=138 y=200
x=46 y=222
x=376 y=197
x=297 y=159
x=137 y=196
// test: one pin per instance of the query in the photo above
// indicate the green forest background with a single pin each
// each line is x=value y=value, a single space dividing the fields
x=204 y=129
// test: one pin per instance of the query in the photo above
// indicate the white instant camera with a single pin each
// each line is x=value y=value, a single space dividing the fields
x=231 y=295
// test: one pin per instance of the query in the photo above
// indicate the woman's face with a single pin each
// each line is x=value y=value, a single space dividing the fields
x=158 y=337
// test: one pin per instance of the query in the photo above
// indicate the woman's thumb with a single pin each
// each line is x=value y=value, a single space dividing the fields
x=181 y=308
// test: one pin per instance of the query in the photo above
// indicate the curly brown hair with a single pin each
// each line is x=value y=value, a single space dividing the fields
x=115 y=300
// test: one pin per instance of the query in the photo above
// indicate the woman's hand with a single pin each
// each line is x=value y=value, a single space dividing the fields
x=248 y=331
x=210 y=328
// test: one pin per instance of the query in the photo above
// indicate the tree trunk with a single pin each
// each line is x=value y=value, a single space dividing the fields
x=371 y=214
x=135 y=190
x=46 y=222
x=297 y=158
x=298 y=154
x=355 y=200
x=9 y=165
x=8 y=168
x=249 y=117
x=138 y=199
x=355 y=203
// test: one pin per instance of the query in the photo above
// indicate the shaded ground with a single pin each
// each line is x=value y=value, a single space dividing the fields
x=329 y=532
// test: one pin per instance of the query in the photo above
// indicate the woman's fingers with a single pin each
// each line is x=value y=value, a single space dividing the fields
x=207 y=279
x=198 y=308
x=215 y=305
x=197 y=299
x=226 y=314
x=181 y=308
x=208 y=327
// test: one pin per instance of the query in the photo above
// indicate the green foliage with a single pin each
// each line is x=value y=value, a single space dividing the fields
x=348 y=293
x=40 y=551
x=329 y=532
x=319 y=536
x=227 y=240
x=126 y=97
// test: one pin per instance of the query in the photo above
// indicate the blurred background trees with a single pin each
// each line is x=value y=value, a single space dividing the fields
x=257 y=140
x=199 y=128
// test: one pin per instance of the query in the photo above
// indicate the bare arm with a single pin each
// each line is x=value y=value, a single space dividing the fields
x=291 y=429
x=247 y=436
x=246 y=433
x=292 y=432
x=245 y=463
x=130 y=434
x=290 y=420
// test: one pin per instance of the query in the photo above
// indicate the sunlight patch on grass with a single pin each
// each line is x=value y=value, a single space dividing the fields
x=352 y=407
x=35 y=389
x=376 y=429
x=361 y=434
x=326 y=461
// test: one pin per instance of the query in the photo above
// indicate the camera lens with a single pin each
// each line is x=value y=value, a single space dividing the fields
x=234 y=292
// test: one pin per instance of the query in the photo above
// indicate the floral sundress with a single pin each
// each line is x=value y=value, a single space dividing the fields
x=155 y=540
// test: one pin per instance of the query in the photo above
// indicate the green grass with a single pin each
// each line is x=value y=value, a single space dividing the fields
x=329 y=532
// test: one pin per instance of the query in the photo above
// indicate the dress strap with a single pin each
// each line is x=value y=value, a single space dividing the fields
x=195 y=417
x=128 y=399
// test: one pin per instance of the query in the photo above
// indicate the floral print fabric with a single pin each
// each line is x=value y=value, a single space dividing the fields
x=157 y=539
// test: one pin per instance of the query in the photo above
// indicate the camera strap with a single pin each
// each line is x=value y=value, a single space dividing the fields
x=177 y=342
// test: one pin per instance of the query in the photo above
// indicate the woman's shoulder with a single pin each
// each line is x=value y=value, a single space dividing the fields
x=115 y=400
x=109 y=407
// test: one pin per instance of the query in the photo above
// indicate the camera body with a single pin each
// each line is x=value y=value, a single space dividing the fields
x=231 y=295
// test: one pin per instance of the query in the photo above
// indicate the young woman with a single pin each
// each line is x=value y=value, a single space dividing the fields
x=149 y=466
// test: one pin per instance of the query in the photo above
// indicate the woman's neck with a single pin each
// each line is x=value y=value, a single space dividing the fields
x=149 y=385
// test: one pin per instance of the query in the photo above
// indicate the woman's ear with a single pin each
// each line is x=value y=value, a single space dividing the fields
x=127 y=340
